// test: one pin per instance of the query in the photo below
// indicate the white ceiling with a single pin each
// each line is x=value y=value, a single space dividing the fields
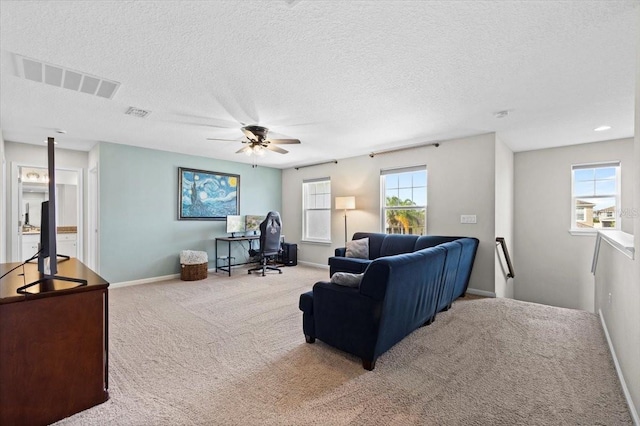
x=345 y=77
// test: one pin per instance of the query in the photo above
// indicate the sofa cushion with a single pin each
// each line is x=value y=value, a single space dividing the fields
x=358 y=248
x=397 y=244
x=347 y=279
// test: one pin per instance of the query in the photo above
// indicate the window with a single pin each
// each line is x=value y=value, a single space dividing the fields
x=595 y=191
x=316 y=210
x=404 y=200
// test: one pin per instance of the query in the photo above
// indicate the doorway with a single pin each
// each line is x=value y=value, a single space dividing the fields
x=29 y=189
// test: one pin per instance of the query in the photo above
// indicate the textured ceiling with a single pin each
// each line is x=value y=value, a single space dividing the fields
x=345 y=77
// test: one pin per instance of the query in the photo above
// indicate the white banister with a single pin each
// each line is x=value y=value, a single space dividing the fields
x=619 y=240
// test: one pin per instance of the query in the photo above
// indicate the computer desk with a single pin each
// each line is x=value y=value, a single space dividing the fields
x=230 y=240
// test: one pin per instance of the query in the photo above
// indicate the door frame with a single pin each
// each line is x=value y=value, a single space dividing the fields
x=14 y=219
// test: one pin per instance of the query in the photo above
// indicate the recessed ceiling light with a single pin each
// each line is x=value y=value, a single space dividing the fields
x=602 y=128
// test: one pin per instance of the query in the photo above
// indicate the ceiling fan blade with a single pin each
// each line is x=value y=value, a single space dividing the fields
x=217 y=139
x=283 y=141
x=275 y=149
x=245 y=149
x=248 y=133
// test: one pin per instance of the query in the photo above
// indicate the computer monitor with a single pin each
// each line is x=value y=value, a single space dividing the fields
x=235 y=224
x=252 y=223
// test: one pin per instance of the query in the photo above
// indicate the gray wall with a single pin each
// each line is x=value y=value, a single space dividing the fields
x=140 y=234
x=504 y=217
x=553 y=266
x=461 y=180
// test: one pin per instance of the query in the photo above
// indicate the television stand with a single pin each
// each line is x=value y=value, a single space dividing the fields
x=53 y=344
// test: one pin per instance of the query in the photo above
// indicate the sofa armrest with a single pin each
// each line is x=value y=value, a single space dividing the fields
x=340 y=252
x=352 y=265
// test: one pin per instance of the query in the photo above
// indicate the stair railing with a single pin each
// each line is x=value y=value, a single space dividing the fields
x=502 y=243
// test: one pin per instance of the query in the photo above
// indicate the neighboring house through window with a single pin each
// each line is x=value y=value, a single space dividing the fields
x=404 y=200
x=316 y=210
x=595 y=196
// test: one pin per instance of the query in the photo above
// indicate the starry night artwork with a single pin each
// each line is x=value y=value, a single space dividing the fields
x=207 y=195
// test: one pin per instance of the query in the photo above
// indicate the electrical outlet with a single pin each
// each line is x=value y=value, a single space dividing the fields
x=468 y=218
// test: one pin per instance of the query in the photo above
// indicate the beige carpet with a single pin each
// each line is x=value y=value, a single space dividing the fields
x=230 y=351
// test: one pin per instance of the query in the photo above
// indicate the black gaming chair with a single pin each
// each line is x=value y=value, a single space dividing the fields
x=269 y=242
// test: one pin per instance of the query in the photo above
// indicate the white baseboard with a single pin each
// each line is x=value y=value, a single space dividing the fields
x=315 y=265
x=483 y=293
x=625 y=389
x=144 y=281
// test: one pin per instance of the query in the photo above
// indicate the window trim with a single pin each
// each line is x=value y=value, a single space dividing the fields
x=303 y=234
x=618 y=198
x=398 y=170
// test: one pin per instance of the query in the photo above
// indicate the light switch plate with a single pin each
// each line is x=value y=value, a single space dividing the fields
x=468 y=218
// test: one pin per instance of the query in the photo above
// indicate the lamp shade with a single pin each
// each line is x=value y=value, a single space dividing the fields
x=345 y=203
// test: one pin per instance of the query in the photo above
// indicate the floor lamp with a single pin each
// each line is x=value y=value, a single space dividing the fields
x=345 y=203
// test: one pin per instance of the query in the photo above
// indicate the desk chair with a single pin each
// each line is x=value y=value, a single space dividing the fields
x=270 y=229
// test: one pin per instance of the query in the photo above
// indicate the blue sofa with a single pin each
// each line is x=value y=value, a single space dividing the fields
x=397 y=295
x=381 y=245
x=399 y=292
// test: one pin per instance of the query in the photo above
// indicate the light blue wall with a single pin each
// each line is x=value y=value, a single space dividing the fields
x=140 y=234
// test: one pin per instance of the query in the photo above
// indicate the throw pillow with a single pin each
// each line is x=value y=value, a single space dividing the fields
x=346 y=279
x=358 y=248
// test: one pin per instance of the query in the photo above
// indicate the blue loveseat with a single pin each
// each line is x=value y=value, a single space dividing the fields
x=398 y=293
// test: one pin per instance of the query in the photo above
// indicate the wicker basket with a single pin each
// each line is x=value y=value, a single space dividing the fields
x=193 y=272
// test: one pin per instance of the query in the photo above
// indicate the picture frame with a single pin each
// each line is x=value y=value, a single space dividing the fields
x=206 y=195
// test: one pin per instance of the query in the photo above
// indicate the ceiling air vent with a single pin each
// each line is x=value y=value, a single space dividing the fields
x=58 y=76
x=138 y=112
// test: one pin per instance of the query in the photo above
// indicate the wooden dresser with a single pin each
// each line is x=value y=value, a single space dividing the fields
x=53 y=344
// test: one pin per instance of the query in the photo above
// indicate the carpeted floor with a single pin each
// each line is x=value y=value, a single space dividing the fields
x=230 y=351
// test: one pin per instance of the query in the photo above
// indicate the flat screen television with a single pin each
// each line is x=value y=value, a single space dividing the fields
x=235 y=224
x=252 y=223
x=47 y=253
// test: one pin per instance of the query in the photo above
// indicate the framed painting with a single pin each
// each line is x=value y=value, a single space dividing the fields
x=205 y=195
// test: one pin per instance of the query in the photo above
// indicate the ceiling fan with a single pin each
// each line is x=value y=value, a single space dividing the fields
x=257 y=141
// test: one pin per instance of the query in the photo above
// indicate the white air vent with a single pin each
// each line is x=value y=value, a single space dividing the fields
x=58 y=76
x=138 y=112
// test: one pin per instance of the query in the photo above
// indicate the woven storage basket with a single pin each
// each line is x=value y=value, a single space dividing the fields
x=193 y=272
